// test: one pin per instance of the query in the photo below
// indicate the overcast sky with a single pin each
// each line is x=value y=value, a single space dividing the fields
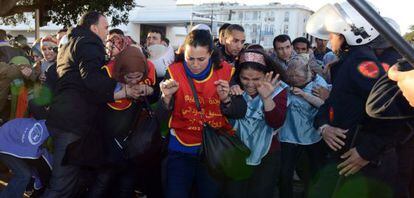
x=401 y=11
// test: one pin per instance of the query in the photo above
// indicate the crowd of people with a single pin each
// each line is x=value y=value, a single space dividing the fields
x=70 y=104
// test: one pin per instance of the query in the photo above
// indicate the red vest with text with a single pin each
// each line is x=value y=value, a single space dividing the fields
x=125 y=103
x=186 y=120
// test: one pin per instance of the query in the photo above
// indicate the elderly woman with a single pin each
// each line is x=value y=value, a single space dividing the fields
x=297 y=135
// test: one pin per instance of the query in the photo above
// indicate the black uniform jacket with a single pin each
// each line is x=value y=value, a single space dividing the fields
x=353 y=77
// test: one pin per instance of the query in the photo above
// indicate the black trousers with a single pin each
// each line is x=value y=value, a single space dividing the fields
x=262 y=183
x=115 y=181
x=64 y=179
x=405 y=154
x=121 y=180
x=373 y=180
x=290 y=156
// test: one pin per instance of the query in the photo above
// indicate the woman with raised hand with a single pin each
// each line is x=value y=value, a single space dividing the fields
x=266 y=99
x=201 y=64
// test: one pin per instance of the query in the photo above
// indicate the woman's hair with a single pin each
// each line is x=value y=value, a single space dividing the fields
x=344 y=47
x=258 y=60
x=255 y=47
x=200 y=38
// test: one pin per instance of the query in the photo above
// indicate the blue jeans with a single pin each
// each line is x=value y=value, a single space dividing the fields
x=185 y=169
x=22 y=173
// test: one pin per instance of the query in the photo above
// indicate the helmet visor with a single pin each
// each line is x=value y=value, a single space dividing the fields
x=324 y=21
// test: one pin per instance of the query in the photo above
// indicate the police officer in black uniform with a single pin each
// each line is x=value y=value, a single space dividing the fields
x=387 y=102
x=362 y=162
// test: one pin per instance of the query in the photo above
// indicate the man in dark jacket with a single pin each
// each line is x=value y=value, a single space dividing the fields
x=234 y=38
x=80 y=90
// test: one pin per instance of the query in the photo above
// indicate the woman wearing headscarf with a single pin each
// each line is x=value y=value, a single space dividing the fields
x=117 y=177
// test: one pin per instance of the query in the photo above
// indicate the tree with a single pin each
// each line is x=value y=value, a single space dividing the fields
x=7 y=5
x=409 y=36
x=7 y=13
x=64 y=12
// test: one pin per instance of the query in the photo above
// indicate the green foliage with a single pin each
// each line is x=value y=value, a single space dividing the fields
x=67 y=12
x=410 y=35
x=13 y=19
x=16 y=18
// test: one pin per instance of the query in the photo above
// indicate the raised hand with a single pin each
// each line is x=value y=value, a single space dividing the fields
x=266 y=87
x=169 y=87
x=223 y=90
x=235 y=90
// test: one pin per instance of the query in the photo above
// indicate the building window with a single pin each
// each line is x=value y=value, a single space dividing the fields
x=247 y=29
x=240 y=16
x=254 y=28
x=255 y=15
x=248 y=16
x=286 y=29
x=286 y=17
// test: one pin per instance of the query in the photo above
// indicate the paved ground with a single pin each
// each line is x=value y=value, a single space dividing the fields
x=5 y=176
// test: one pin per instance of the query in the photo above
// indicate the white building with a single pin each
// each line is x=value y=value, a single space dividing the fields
x=28 y=30
x=165 y=15
x=261 y=22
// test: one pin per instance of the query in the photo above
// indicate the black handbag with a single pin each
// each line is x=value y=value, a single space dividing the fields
x=143 y=140
x=224 y=154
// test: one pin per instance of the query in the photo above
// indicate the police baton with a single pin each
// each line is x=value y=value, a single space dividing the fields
x=388 y=32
